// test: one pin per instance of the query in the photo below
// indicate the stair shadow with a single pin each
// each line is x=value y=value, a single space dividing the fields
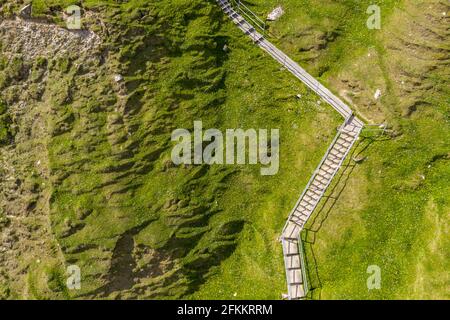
x=326 y=205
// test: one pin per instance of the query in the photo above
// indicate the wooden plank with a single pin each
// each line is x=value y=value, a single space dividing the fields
x=328 y=167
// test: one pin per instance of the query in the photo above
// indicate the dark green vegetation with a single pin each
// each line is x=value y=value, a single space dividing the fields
x=86 y=176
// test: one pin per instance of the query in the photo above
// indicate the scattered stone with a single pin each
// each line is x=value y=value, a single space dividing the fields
x=359 y=159
x=25 y=36
x=118 y=78
x=275 y=14
x=168 y=164
x=299 y=96
x=225 y=48
x=7 y=245
x=377 y=94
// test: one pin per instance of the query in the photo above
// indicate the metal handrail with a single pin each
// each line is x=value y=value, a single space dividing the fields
x=304 y=76
x=313 y=84
x=249 y=14
x=333 y=101
x=324 y=158
x=240 y=4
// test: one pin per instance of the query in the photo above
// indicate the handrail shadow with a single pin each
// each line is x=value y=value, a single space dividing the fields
x=309 y=233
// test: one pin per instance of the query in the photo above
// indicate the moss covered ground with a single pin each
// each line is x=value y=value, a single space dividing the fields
x=140 y=227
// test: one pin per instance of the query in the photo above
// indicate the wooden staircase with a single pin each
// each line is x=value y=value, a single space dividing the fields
x=307 y=203
x=322 y=177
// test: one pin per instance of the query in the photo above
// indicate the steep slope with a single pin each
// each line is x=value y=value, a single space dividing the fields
x=97 y=154
x=85 y=170
x=30 y=101
x=394 y=200
x=86 y=154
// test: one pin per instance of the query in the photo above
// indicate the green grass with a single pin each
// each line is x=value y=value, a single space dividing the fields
x=397 y=200
x=5 y=120
x=212 y=232
x=124 y=185
x=256 y=100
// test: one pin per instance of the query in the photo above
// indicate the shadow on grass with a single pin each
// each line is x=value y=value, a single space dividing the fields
x=326 y=205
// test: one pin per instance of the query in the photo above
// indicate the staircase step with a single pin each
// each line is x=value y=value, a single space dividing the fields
x=306 y=204
x=324 y=174
x=343 y=143
x=321 y=179
x=334 y=159
x=317 y=190
x=318 y=186
x=300 y=224
x=312 y=196
x=301 y=217
x=329 y=167
x=290 y=239
x=336 y=153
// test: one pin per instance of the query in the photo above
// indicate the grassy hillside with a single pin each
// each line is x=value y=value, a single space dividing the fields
x=392 y=209
x=137 y=226
x=85 y=170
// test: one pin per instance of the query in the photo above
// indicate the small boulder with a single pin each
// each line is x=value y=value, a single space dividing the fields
x=377 y=94
x=275 y=14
